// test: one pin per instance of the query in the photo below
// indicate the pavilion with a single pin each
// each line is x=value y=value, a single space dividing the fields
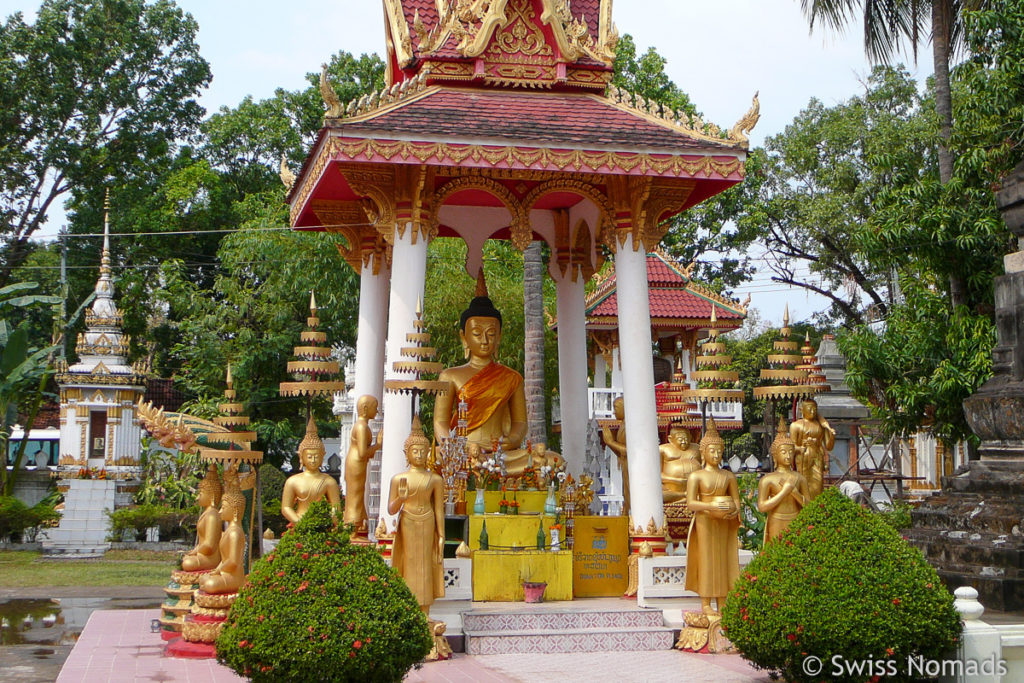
x=499 y=122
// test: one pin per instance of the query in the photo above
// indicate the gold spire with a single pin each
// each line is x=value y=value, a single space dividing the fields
x=105 y=257
x=312 y=303
x=229 y=380
x=481 y=283
x=785 y=316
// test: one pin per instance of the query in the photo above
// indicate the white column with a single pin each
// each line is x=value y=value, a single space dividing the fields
x=617 y=368
x=600 y=372
x=410 y=267
x=370 y=338
x=572 y=370
x=638 y=385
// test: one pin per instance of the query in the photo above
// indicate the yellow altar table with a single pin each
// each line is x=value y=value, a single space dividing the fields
x=529 y=501
x=498 y=575
x=505 y=532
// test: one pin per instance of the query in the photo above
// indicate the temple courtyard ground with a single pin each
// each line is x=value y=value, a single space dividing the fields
x=118 y=645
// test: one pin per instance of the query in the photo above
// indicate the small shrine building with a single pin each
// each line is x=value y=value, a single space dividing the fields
x=498 y=121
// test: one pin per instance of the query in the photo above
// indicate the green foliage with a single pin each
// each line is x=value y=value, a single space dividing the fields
x=752 y=520
x=897 y=514
x=20 y=520
x=922 y=365
x=320 y=609
x=272 y=481
x=839 y=581
x=168 y=478
x=172 y=521
x=92 y=90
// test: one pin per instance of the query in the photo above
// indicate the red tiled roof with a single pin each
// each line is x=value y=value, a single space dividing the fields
x=670 y=303
x=48 y=416
x=543 y=119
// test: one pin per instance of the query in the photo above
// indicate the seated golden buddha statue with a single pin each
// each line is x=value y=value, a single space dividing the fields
x=782 y=493
x=493 y=392
x=310 y=485
x=542 y=457
x=206 y=554
x=229 y=574
x=679 y=458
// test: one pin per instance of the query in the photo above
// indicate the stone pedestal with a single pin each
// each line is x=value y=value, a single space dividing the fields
x=971 y=532
x=180 y=592
x=202 y=626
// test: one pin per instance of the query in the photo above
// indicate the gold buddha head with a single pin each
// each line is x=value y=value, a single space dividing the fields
x=311 y=449
x=232 y=506
x=480 y=324
x=366 y=406
x=210 y=489
x=809 y=409
x=417 y=446
x=783 y=448
x=679 y=437
x=712 y=445
x=619 y=406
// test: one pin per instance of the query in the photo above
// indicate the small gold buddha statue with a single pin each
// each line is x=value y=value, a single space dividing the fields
x=542 y=457
x=615 y=439
x=305 y=488
x=418 y=550
x=360 y=451
x=783 y=493
x=206 y=554
x=229 y=574
x=712 y=552
x=493 y=392
x=679 y=458
x=814 y=438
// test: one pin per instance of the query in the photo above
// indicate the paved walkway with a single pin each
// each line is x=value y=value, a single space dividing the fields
x=117 y=645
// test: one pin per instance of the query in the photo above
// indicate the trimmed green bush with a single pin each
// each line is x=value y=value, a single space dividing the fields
x=18 y=520
x=172 y=521
x=321 y=609
x=840 y=582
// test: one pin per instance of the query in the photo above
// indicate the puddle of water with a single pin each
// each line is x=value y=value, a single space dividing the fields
x=55 y=621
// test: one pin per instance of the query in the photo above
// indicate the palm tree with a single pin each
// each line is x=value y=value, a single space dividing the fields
x=533 y=319
x=887 y=23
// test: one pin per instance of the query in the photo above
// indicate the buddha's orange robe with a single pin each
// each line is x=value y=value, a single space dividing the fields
x=485 y=393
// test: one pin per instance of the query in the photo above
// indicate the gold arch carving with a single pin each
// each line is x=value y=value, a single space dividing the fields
x=522 y=233
x=599 y=198
x=377 y=188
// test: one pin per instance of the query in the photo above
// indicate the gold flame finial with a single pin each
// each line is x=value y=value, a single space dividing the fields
x=785 y=316
x=312 y=303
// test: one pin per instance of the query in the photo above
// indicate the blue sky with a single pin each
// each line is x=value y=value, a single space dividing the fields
x=719 y=52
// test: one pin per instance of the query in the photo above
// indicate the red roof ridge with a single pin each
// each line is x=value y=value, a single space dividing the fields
x=679 y=122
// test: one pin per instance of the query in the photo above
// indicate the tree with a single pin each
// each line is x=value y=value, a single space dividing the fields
x=533 y=342
x=816 y=189
x=92 y=90
x=886 y=25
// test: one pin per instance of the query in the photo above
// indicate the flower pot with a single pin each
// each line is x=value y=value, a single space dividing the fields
x=503 y=509
x=533 y=591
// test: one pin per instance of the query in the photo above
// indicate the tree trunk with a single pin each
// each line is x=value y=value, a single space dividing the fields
x=941 y=24
x=533 y=319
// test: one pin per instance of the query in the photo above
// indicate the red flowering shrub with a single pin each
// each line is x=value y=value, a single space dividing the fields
x=321 y=609
x=839 y=582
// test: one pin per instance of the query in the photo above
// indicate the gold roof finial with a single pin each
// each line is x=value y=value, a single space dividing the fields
x=419 y=308
x=714 y=315
x=229 y=380
x=312 y=303
x=481 y=283
x=105 y=257
x=785 y=316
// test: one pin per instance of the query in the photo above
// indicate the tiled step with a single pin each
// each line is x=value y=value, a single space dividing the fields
x=565 y=631
x=572 y=640
x=560 y=620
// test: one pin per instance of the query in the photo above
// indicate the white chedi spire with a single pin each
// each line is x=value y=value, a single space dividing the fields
x=103 y=348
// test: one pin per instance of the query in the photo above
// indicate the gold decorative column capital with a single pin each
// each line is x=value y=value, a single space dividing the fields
x=640 y=205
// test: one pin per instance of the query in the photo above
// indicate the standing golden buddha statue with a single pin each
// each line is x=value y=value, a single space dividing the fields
x=814 y=438
x=615 y=439
x=493 y=392
x=305 y=488
x=360 y=451
x=206 y=554
x=783 y=493
x=418 y=551
x=680 y=457
x=712 y=496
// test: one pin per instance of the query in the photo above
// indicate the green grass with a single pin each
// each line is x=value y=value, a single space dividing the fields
x=27 y=569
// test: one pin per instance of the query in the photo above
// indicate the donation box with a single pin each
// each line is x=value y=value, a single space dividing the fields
x=600 y=556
